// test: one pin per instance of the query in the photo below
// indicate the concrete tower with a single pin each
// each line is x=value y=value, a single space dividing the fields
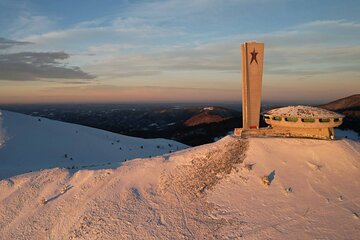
x=252 y=58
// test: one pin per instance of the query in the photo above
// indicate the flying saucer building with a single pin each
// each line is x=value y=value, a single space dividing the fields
x=303 y=121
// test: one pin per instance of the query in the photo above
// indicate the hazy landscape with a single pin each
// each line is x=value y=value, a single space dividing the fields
x=191 y=124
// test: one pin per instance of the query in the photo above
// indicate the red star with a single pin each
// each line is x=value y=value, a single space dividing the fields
x=253 y=56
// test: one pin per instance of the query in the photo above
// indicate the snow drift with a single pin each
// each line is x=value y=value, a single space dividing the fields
x=34 y=143
x=213 y=191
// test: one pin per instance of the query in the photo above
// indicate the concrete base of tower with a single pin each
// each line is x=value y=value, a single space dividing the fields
x=315 y=133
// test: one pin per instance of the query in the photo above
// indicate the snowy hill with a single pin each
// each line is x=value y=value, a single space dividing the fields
x=32 y=143
x=214 y=191
x=352 y=101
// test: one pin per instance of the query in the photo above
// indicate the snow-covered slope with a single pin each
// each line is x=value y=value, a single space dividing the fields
x=350 y=134
x=213 y=191
x=32 y=143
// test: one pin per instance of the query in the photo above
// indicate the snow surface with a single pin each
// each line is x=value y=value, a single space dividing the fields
x=212 y=191
x=350 y=134
x=303 y=112
x=33 y=143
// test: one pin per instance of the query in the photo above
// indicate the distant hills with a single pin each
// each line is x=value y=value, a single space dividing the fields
x=209 y=115
x=344 y=104
x=191 y=125
x=350 y=108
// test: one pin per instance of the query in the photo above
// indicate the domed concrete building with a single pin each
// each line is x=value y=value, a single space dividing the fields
x=303 y=121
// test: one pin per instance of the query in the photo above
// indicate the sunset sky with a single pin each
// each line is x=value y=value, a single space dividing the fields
x=176 y=50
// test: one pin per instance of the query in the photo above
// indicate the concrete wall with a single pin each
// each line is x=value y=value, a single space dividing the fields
x=316 y=133
x=300 y=124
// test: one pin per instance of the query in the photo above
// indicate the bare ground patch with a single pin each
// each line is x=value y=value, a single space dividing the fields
x=206 y=171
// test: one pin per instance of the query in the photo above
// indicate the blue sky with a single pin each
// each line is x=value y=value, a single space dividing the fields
x=128 y=51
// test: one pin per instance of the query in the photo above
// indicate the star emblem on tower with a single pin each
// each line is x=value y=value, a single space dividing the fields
x=253 y=56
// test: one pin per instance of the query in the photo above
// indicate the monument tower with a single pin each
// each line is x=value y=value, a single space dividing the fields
x=252 y=59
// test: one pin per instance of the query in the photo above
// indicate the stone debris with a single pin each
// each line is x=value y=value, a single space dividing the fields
x=265 y=180
x=249 y=166
x=44 y=201
x=66 y=188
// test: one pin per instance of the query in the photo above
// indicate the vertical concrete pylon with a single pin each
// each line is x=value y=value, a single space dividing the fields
x=252 y=58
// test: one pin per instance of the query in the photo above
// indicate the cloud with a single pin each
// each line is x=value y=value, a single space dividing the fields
x=311 y=48
x=110 y=48
x=121 y=30
x=151 y=38
x=30 y=66
x=27 y=23
x=26 y=66
x=7 y=43
x=215 y=56
x=182 y=10
x=329 y=23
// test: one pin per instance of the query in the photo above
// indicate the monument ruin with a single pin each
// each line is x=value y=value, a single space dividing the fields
x=292 y=121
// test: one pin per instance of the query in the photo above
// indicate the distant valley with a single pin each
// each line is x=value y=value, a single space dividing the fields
x=189 y=124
